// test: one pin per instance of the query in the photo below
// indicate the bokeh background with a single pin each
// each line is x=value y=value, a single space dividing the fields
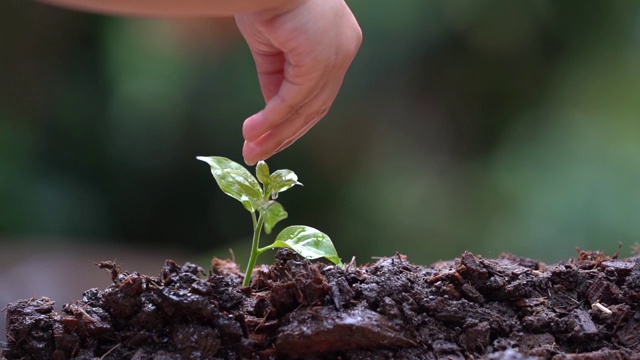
x=486 y=126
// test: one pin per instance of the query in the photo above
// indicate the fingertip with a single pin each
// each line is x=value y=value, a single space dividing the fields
x=250 y=130
x=249 y=153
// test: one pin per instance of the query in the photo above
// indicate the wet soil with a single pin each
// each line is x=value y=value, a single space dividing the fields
x=468 y=308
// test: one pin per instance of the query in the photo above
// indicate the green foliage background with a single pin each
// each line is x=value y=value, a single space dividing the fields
x=487 y=126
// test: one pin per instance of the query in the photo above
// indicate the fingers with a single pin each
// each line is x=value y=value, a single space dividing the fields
x=274 y=141
x=287 y=131
x=301 y=59
x=270 y=68
x=288 y=103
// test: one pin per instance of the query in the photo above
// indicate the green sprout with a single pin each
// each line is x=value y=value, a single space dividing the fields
x=237 y=182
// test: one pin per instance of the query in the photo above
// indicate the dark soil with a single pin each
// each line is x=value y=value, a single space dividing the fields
x=469 y=308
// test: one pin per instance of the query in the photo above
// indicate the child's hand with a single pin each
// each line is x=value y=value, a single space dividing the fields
x=301 y=56
x=302 y=49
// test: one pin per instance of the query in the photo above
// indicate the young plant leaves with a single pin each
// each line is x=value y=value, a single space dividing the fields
x=235 y=181
x=282 y=180
x=272 y=215
x=308 y=242
x=262 y=173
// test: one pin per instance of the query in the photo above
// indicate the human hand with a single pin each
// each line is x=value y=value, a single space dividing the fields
x=301 y=56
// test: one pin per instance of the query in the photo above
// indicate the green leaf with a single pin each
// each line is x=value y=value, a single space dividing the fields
x=235 y=181
x=272 y=215
x=282 y=180
x=262 y=172
x=308 y=242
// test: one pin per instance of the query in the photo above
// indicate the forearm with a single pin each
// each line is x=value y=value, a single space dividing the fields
x=174 y=8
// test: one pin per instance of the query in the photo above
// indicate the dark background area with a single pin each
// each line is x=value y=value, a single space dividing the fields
x=484 y=126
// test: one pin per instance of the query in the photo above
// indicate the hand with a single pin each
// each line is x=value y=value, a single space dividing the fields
x=301 y=55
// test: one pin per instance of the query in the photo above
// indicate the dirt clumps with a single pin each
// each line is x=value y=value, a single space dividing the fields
x=470 y=308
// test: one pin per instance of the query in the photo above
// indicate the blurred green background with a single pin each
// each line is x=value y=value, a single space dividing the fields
x=487 y=126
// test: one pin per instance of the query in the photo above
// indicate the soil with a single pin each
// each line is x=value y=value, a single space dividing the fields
x=469 y=308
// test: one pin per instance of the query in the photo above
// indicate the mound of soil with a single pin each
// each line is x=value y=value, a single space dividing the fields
x=469 y=308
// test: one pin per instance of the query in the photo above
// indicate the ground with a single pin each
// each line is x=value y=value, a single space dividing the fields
x=468 y=308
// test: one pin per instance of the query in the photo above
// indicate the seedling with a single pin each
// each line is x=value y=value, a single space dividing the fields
x=237 y=182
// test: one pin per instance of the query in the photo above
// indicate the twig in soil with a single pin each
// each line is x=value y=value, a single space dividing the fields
x=617 y=326
x=441 y=275
x=11 y=338
x=599 y=307
x=111 y=268
x=315 y=313
x=109 y=352
x=615 y=256
x=86 y=316
x=351 y=264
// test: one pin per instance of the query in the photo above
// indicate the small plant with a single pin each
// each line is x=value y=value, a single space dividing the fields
x=237 y=182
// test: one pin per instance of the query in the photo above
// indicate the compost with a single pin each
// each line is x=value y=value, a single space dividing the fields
x=468 y=308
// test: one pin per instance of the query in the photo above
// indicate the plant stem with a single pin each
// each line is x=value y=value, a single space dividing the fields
x=257 y=229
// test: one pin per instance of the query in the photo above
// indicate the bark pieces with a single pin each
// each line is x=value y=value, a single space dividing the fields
x=310 y=331
x=510 y=307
